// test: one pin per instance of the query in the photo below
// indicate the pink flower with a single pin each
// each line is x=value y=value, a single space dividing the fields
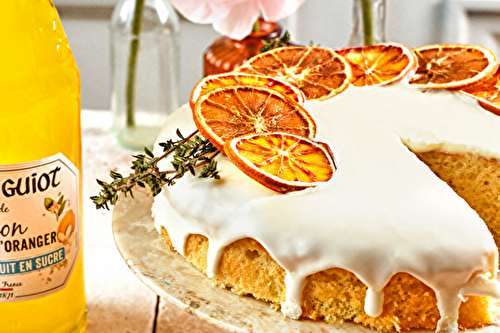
x=235 y=18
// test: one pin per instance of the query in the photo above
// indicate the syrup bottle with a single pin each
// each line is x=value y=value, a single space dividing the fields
x=41 y=263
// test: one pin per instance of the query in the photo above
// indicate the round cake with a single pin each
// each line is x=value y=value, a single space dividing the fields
x=390 y=242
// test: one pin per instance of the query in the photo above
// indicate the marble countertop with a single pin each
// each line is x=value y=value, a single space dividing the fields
x=117 y=301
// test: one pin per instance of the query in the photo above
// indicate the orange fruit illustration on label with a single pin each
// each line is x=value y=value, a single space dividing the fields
x=66 y=227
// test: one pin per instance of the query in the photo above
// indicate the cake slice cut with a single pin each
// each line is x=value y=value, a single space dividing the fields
x=473 y=177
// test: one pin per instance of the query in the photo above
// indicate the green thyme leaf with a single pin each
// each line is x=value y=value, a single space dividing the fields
x=188 y=154
x=275 y=43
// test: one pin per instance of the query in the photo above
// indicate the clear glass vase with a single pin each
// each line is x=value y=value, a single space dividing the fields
x=144 y=69
x=368 y=26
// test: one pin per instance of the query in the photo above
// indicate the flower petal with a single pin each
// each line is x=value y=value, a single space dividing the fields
x=239 y=22
x=203 y=11
x=235 y=18
x=274 y=10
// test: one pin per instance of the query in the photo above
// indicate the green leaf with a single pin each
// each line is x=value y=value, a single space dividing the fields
x=61 y=208
x=115 y=175
x=48 y=203
x=189 y=154
x=148 y=152
x=276 y=42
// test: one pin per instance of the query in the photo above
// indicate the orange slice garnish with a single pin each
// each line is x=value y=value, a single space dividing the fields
x=320 y=73
x=280 y=161
x=487 y=93
x=379 y=64
x=452 y=66
x=233 y=111
x=237 y=79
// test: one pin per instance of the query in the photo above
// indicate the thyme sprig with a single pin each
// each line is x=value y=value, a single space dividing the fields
x=278 y=42
x=275 y=43
x=189 y=153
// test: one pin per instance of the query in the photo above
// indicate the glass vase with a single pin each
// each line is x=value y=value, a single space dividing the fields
x=368 y=22
x=226 y=54
x=144 y=69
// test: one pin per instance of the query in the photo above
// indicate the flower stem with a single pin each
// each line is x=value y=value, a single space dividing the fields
x=132 y=61
x=367 y=10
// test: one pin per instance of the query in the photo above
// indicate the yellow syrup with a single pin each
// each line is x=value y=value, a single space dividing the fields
x=39 y=119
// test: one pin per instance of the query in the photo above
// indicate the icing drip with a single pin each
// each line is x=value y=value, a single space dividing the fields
x=294 y=285
x=480 y=285
x=384 y=212
x=448 y=303
x=374 y=302
x=213 y=256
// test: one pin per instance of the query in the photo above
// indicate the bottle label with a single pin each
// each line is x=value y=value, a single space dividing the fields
x=39 y=227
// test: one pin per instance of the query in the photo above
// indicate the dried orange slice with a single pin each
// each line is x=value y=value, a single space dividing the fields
x=233 y=111
x=452 y=66
x=487 y=93
x=236 y=79
x=320 y=73
x=379 y=64
x=280 y=161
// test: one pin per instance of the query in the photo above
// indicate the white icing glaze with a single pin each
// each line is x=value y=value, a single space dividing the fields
x=384 y=212
x=374 y=302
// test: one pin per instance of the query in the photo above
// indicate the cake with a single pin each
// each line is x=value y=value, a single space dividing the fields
x=386 y=243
